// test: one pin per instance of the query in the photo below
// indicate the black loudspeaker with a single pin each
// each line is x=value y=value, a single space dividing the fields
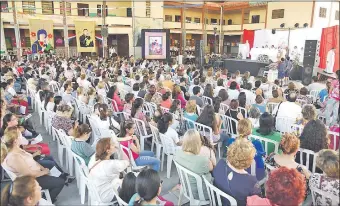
x=261 y=72
x=296 y=73
x=311 y=53
x=199 y=51
x=218 y=64
x=307 y=73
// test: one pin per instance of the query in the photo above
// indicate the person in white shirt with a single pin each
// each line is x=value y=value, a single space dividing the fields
x=82 y=82
x=232 y=91
x=250 y=96
x=288 y=109
x=49 y=102
x=315 y=85
x=238 y=77
x=196 y=83
x=218 y=87
x=163 y=125
x=106 y=121
x=330 y=61
x=105 y=172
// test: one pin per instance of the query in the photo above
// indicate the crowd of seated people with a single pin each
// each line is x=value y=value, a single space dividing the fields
x=104 y=88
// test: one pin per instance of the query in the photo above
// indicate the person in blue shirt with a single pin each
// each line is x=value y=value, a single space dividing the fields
x=281 y=70
x=325 y=92
x=260 y=104
x=244 y=129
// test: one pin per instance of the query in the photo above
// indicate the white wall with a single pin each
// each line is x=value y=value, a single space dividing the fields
x=331 y=7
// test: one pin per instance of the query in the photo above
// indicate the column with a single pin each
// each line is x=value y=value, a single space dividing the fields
x=221 y=31
x=16 y=31
x=65 y=30
x=204 y=29
x=104 y=27
x=184 y=34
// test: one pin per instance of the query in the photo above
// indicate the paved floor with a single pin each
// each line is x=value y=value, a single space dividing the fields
x=70 y=195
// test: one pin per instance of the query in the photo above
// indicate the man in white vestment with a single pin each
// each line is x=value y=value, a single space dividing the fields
x=330 y=61
x=247 y=48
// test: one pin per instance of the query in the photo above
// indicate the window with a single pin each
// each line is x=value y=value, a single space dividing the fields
x=213 y=21
x=148 y=9
x=188 y=19
x=99 y=10
x=168 y=17
x=83 y=9
x=27 y=41
x=128 y=12
x=47 y=7
x=68 y=8
x=255 y=19
x=230 y=22
x=337 y=15
x=28 y=7
x=278 y=14
x=4 y=6
x=177 y=18
x=322 y=12
x=197 y=20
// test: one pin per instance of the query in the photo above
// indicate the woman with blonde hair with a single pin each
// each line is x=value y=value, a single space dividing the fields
x=231 y=176
x=189 y=158
x=244 y=129
x=190 y=110
x=24 y=191
x=328 y=161
x=21 y=163
x=177 y=94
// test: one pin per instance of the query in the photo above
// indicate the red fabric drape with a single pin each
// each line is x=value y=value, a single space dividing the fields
x=248 y=35
x=329 y=39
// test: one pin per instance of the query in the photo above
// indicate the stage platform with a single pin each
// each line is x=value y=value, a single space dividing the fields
x=244 y=65
x=324 y=76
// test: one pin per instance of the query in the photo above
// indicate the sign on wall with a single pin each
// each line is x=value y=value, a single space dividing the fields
x=41 y=35
x=85 y=33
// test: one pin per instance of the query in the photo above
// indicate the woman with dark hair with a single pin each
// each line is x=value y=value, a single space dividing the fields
x=177 y=94
x=128 y=188
x=104 y=171
x=259 y=103
x=166 y=100
x=49 y=102
x=267 y=130
x=79 y=144
x=314 y=136
x=105 y=120
x=136 y=112
x=242 y=99
x=224 y=96
x=57 y=101
x=129 y=99
x=208 y=91
x=113 y=94
x=135 y=89
x=232 y=91
x=211 y=119
x=164 y=124
x=141 y=158
x=148 y=187
x=217 y=102
x=234 y=113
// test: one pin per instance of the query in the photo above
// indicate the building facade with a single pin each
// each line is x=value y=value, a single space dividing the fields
x=188 y=21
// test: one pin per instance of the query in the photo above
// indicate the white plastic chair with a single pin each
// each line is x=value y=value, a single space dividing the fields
x=187 y=178
x=227 y=125
x=142 y=133
x=207 y=100
x=243 y=111
x=265 y=143
x=132 y=161
x=96 y=134
x=284 y=124
x=157 y=141
x=223 y=108
x=61 y=146
x=169 y=149
x=94 y=195
x=13 y=176
x=308 y=154
x=335 y=137
x=66 y=141
x=199 y=110
x=82 y=177
x=216 y=195
x=271 y=106
x=325 y=195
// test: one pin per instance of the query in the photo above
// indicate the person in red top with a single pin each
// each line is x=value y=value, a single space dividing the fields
x=166 y=100
x=332 y=105
x=141 y=158
x=233 y=79
x=177 y=94
x=113 y=93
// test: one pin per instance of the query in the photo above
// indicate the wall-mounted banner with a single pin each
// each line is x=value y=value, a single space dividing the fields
x=85 y=32
x=41 y=34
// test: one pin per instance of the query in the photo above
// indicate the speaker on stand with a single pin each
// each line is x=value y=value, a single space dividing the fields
x=310 y=60
x=199 y=52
